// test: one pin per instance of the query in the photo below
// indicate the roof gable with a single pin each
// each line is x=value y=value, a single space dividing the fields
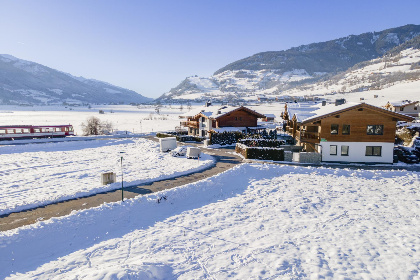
x=242 y=108
x=324 y=113
x=216 y=113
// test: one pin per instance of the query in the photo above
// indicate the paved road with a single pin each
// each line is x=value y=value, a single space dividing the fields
x=224 y=161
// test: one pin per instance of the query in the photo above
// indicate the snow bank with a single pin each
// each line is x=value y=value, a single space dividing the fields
x=253 y=221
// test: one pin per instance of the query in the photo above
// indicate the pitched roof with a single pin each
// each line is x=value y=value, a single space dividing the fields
x=217 y=112
x=331 y=110
x=302 y=111
x=403 y=103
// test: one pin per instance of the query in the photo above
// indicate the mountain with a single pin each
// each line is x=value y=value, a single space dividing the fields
x=277 y=71
x=25 y=82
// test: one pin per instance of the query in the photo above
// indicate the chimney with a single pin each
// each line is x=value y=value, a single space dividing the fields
x=324 y=103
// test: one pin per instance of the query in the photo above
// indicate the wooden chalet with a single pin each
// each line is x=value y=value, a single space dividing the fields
x=347 y=133
x=220 y=119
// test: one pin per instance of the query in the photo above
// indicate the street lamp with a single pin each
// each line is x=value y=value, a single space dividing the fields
x=122 y=177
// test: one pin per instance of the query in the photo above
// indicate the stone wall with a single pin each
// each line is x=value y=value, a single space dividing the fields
x=288 y=156
x=307 y=157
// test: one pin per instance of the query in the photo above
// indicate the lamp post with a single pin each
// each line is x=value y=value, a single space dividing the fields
x=122 y=178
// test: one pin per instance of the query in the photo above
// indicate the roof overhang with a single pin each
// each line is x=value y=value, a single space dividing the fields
x=397 y=116
x=242 y=108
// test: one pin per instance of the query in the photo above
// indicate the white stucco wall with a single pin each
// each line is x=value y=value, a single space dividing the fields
x=206 y=126
x=357 y=152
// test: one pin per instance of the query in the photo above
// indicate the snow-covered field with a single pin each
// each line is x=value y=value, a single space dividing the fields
x=123 y=117
x=252 y=222
x=37 y=174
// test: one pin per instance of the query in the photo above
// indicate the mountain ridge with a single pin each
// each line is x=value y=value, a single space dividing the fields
x=292 y=68
x=27 y=82
x=351 y=49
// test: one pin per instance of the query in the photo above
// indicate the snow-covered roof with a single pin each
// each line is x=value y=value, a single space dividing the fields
x=301 y=111
x=403 y=103
x=215 y=112
x=324 y=111
x=328 y=109
x=193 y=112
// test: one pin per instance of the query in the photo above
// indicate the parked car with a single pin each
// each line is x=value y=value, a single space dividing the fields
x=406 y=154
x=180 y=151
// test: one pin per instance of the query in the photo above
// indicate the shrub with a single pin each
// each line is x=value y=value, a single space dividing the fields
x=275 y=154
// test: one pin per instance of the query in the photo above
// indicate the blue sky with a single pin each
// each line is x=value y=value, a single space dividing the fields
x=151 y=46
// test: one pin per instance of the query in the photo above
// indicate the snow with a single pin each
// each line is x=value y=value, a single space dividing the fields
x=123 y=117
x=57 y=91
x=398 y=78
x=37 y=174
x=392 y=38
x=8 y=58
x=254 y=221
x=110 y=90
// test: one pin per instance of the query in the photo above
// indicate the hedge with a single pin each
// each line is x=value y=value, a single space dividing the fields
x=275 y=154
x=270 y=143
x=180 y=138
x=229 y=138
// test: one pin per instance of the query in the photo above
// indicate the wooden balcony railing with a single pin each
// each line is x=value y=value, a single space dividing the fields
x=192 y=124
x=304 y=135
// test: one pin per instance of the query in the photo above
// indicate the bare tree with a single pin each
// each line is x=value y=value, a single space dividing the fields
x=94 y=126
x=106 y=127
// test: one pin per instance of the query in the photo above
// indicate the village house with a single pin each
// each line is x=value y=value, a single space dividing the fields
x=407 y=107
x=346 y=133
x=218 y=119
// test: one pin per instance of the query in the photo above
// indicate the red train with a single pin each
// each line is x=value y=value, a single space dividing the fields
x=10 y=132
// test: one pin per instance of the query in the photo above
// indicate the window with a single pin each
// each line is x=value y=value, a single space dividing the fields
x=375 y=151
x=10 y=131
x=401 y=108
x=37 y=130
x=57 y=129
x=415 y=108
x=375 y=130
x=346 y=129
x=2 y=131
x=334 y=129
x=344 y=150
x=333 y=150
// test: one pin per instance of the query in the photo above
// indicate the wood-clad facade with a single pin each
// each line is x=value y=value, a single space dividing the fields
x=203 y=122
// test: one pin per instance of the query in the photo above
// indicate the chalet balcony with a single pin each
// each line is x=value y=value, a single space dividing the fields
x=193 y=124
x=312 y=137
